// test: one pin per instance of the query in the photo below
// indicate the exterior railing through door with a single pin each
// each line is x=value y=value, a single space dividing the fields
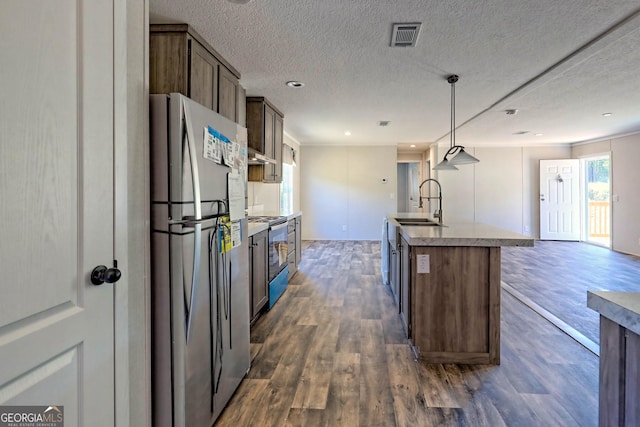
x=599 y=219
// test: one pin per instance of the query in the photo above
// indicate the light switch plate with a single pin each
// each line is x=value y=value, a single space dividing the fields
x=423 y=264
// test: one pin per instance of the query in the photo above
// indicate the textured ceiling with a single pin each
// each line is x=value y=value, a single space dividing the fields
x=560 y=63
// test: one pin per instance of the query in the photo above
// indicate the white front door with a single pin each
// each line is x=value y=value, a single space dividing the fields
x=560 y=199
x=56 y=208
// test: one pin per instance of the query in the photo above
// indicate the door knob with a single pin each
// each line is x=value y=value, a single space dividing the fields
x=102 y=274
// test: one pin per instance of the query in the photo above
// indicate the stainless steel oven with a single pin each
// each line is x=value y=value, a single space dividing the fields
x=278 y=242
x=278 y=248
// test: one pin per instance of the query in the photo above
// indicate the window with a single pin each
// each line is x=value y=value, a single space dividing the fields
x=286 y=187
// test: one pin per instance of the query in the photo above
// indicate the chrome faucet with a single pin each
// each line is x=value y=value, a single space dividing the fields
x=438 y=212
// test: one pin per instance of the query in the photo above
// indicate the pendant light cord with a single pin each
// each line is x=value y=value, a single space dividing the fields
x=452 y=79
x=453 y=115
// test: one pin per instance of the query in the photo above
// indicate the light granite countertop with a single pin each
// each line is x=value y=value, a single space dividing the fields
x=457 y=233
x=256 y=227
x=620 y=307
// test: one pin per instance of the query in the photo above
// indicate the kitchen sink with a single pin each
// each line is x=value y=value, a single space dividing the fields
x=417 y=221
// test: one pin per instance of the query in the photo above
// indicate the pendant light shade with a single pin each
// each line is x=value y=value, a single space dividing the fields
x=463 y=158
x=459 y=156
x=445 y=165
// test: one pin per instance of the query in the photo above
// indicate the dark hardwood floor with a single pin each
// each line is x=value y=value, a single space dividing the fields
x=332 y=352
x=557 y=275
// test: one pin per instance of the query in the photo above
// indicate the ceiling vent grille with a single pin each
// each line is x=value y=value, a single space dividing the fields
x=405 y=35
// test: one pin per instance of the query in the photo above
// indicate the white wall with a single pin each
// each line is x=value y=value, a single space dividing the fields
x=263 y=198
x=625 y=176
x=342 y=194
x=502 y=190
x=499 y=187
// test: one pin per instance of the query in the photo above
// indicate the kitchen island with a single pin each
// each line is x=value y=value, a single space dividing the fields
x=619 y=356
x=446 y=282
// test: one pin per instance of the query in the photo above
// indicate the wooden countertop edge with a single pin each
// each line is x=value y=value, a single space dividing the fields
x=622 y=308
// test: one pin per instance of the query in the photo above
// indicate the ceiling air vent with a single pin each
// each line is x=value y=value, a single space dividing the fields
x=405 y=35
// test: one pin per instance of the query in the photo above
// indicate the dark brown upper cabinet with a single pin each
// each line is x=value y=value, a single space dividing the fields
x=180 y=60
x=265 y=132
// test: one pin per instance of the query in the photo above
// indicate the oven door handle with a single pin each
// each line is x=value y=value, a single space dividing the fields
x=278 y=227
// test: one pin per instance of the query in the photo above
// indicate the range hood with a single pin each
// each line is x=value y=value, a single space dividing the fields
x=257 y=158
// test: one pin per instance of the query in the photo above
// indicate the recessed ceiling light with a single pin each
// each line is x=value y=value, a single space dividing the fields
x=539 y=134
x=295 y=84
x=347 y=133
x=607 y=114
x=413 y=146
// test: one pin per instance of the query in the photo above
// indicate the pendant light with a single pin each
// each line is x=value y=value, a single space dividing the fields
x=459 y=156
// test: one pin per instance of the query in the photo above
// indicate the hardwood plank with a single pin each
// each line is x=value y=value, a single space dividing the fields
x=344 y=393
x=349 y=335
x=409 y=404
x=305 y=417
x=369 y=302
x=376 y=400
x=549 y=411
x=273 y=408
x=254 y=349
x=313 y=388
x=438 y=389
x=249 y=392
x=268 y=356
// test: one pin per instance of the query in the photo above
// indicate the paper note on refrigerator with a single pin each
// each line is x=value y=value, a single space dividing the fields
x=224 y=235
x=235 y=185
x=211 y=150
x=236 y=234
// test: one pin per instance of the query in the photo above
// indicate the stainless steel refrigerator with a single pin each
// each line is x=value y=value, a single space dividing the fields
x=199 y=261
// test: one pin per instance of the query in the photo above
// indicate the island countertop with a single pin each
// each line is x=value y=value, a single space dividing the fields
x=622 y=308
x=457 y=233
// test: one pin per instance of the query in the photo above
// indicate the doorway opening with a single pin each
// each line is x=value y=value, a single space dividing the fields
x=597 y=209
x=408 y=182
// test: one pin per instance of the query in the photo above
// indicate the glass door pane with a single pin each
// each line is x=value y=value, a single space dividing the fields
x=598 y=201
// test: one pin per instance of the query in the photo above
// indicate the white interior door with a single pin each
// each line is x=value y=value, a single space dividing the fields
x=560 y=199
x=56 y=214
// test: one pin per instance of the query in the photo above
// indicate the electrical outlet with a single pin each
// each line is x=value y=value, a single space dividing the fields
x=344 y=228
x=526 y=228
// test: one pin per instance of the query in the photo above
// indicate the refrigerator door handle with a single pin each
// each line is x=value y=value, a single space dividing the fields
x=195 y=176
x=197 y=239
